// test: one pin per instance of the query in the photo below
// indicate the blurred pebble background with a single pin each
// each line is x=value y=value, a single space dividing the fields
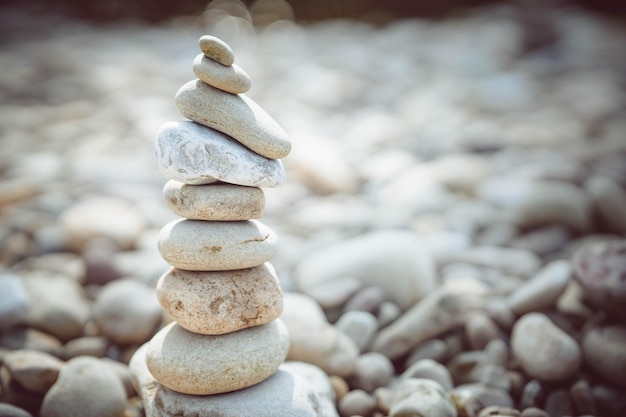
x=493 y=131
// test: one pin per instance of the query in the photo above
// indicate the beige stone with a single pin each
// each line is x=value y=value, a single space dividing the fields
x=230 y=79
x=219 y=302
x=216 y=246
x=198 y=364
x=235 y=115
x=219 y=201
x=217 y=50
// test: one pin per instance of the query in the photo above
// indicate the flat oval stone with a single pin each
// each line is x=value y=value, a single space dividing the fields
x=194 y=154
x=219 y=201
x=230 y=79
x=237 y=116
x=221 y=302
x=216 y=246
x=216 y=49
x=197 y=364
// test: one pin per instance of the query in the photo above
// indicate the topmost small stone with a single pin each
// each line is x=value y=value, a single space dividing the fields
x=217 y=50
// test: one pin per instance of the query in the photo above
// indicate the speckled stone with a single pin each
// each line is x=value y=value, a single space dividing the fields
x=216 y=49
x=221 y=301
x=194 y=154
x=235 y=115
x=216 y=246
x=231 y=79
x=197 y=364
x=219 y=201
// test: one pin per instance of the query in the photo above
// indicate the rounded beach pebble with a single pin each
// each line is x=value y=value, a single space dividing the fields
x=222 y=301
x=197 y=364
x=86 y=387
x=216 y=246
x=194 y=154
x=219 y=201
x=543 y=350
x=217 y=50
x=231 y=79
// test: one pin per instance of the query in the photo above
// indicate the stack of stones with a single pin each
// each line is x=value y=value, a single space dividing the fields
x=223 y=295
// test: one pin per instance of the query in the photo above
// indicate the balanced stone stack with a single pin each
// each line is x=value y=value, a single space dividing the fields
x=223 y=295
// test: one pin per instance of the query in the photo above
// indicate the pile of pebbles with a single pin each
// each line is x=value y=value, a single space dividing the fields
x=451 y=231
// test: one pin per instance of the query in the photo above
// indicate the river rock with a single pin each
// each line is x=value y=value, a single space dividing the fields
x=356 y=403
x=198 y=364
x=216 y=246
x=395 y=260
x=284 y=394
x=542 y=290
x=421 y=397
x=58 y=304
x=108 y=217
x=371 y=370
x=599 y=268
x=127 y=311
x=437 y=313
x=8 y=410
x=533 y=203
x=220 y=302
x=237 y=116
x=218 y=201
x=86 y=387
x=429 y=369
x=604 y=350
x=194 y=154
x=610 y=201
x=543 y=350
x=34 y=370
x=231 y=79
x=216 y=49
x=14 y=301
x=314 y=340
x=360 y=326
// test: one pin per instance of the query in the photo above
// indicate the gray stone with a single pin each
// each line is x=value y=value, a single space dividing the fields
x=219 y=201
x=421 y=397
x=198 y=364
x=395 y=260
x=231 y=79
x=14 y=301
x=218 y=302
x=234 y=115
x=8 y=410
x=86 y=387
x=543 y=350
x=539 y=202
x=371 y=370
x=542 y=290
x=284 y=394
x=610 y=201
x=216 y=49
x=216 y=246
x=127 y=311
x=58 y=304
x=437 y=313
x=360 y=326
x=356 y=403
x=314 y=340
x=471 y=398
x=429 y=369
x=33 y=370
x=604 y=350
x=194 y=154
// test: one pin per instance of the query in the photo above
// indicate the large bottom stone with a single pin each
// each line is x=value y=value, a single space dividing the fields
x=199 y=364
x=287 y=393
